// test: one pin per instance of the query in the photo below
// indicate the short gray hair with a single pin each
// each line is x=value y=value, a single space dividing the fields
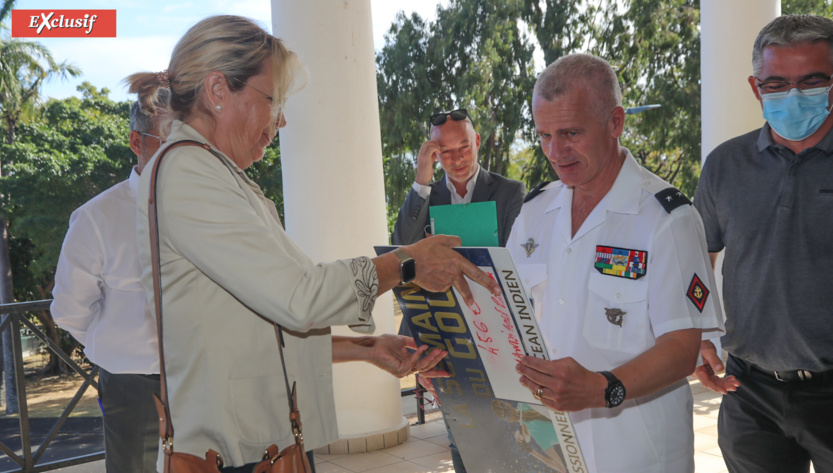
x=581 y=70
x=790 y=29
x=142 y=120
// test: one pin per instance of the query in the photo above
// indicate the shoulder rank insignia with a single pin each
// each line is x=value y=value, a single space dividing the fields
x=671 y=198
x=535 y=191
x=621 y=262
x=697 y=292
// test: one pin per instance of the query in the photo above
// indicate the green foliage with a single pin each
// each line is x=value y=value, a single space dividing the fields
x=73 y=150
x=24 y=67
x=808 y=7
x=560 y=27
x=475 y=56
x=268 y=175
x=657 y=52
x=655 y=48
x=6 y=9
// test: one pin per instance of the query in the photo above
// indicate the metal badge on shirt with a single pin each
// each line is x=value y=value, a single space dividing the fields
x=615 y=316
x=621 y=262
x=529 y=247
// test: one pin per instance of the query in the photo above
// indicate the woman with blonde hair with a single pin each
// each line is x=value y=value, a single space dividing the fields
x=229 y=271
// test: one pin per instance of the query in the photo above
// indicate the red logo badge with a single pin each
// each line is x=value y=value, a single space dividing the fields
x=63 y=23
x=697 y=293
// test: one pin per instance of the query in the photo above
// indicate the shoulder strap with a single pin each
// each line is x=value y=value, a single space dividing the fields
x=166 y=428
x=670 y=198
x=535 y=191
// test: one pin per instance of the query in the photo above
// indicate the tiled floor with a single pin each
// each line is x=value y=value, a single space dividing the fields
x=427 y=449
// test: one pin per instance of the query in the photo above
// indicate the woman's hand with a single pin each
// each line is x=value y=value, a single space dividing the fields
x=396 y=354
x=438 y=267
x=392 y=354
x=428 y=385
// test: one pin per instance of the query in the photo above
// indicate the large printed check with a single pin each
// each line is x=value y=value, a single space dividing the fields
x=498 y=425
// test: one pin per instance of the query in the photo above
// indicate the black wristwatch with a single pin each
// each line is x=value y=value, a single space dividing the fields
x=407 y=266
x=615 y=391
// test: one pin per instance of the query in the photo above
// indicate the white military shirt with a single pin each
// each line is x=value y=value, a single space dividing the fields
x=98 y=295
x=605 y=320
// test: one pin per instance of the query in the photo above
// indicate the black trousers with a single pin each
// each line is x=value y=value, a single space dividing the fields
x=131 y=424
x=772 y=426
x=251 y=466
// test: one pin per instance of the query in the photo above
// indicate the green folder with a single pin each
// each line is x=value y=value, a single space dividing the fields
x=475 y=223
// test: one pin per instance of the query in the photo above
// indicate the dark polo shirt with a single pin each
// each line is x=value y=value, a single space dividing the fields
x=772 y=210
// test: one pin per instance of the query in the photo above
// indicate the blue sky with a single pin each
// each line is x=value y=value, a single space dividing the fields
x=147 y=31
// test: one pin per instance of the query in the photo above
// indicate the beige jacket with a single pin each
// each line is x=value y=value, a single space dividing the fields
x=228 y=271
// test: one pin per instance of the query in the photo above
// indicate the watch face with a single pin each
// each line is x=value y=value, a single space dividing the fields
x=616 y=395
x=408 y=271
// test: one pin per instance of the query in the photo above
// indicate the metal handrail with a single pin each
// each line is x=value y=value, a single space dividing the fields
x=13 y=317
x=419 y=394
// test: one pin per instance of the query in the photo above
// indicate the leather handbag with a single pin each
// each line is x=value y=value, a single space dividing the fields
x=292 y=459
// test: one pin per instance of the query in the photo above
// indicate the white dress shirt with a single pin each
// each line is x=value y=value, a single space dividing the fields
x=98 y=295
x=573 y=300
x=425 y=191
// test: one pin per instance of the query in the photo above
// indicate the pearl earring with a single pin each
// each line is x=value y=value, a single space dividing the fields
x=218 y=107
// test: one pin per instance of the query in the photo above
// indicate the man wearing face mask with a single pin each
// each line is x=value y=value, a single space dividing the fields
x=767 y=199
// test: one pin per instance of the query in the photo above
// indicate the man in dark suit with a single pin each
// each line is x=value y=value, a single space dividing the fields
x=455 y=143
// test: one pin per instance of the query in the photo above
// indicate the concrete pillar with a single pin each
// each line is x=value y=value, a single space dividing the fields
x=728 y=29
x=333 y=182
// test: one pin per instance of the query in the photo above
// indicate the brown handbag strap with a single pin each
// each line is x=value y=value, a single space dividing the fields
x=166 y=428
x=294 y=416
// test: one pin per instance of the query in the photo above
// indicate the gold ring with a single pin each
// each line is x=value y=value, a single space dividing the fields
x=539 y=393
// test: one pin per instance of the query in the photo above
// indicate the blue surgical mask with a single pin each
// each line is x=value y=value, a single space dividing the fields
x=795 y=115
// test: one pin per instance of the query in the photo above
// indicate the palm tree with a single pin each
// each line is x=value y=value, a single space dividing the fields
x=24 y=67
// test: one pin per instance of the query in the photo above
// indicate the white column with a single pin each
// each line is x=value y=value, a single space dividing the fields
x=334 y=197
x=728 y=29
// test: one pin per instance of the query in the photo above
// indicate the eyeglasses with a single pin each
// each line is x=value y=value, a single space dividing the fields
x=268 y=97
x=813 y=85
x=161 y=140
x=438 y=119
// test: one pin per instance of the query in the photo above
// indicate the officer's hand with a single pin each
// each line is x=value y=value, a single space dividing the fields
x=565 y=384
x=711 y=365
